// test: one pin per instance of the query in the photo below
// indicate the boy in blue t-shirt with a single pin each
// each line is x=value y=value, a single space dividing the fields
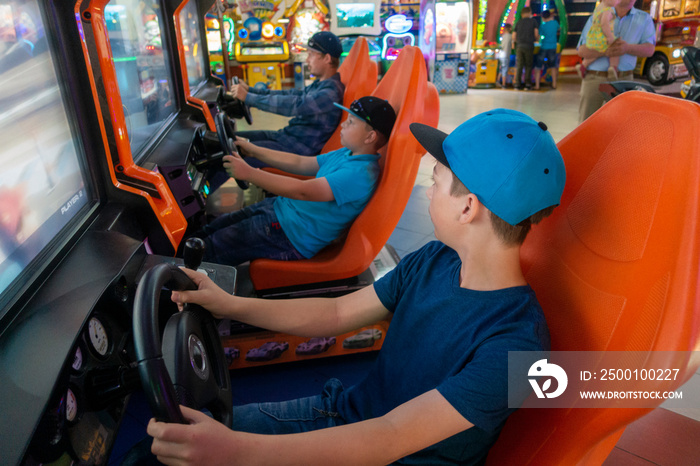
x=307 y=214
x=548 y=58
x=438 y=393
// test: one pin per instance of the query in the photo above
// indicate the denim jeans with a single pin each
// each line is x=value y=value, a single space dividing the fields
x=294 y=416
x=247 y=234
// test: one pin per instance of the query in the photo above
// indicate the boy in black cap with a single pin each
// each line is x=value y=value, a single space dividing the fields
x=314 y=115
x=438 y=392
x=308 y=214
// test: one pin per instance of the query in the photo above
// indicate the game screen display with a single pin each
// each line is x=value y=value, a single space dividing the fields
x=143 y=68
x=355 y=15
x=452 y=27
x=42 y=185
x=192 y=43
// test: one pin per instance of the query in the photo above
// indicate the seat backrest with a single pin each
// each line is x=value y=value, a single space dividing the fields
x=406 y=87
x=359 y=75
x=615 y=267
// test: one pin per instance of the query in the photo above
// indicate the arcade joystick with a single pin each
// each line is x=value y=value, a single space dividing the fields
x=193 y=253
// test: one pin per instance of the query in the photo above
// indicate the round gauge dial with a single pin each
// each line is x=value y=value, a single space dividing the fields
x=77 y=359
x=71 y=406
x=98 y=336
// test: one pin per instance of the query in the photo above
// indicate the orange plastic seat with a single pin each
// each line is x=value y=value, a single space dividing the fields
x=405 y=86
x=616 y=266
x=359 y=74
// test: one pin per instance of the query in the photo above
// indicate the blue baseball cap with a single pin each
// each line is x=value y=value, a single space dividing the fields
x=507 y=159
x=326 y=42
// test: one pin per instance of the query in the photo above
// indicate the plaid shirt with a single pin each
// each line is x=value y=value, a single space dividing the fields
x=315 y=116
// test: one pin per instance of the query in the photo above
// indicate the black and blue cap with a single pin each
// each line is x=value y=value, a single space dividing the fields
x=378 y=113
x=507 y=159
x=326 y=42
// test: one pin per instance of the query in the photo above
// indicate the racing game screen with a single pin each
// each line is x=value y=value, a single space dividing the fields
x=143 y=68
x=42 y=186
x=192 y=44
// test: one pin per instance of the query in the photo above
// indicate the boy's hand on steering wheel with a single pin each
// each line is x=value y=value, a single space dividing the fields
x=239 y=91
x=245 y=147
x=237 y=168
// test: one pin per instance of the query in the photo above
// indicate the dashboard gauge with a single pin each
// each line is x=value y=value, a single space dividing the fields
x=77 y=359
x=98 y=336
x=71 y=406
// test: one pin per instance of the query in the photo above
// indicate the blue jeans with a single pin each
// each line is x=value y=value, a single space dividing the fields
x=294 y=416
x=247 y=234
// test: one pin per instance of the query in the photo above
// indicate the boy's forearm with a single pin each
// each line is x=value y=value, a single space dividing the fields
x=281 y=185
x=286 y=161
x=309 y=317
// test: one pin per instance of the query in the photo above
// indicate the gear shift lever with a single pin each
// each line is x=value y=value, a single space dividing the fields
x=193 y=253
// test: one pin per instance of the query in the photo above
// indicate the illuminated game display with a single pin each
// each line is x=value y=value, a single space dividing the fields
x=400 y=26
x=42 y=186
x=361 y=17
x=261 y=43
x=453 y=31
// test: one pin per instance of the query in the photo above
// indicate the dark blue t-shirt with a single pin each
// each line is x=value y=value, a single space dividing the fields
x=450 y=338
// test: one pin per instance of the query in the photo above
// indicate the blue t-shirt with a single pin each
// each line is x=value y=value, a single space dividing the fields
x=548 y=31
x=311 y=225
x=450 y=338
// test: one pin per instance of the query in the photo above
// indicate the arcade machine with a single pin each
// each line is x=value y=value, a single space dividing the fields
x=216 y=38
x=79 y=226
x=453 y=22
x=400 y=26
x=350 y=19
x=483 y=54
x=426 y=36
x=677 y=24
x=261 y=45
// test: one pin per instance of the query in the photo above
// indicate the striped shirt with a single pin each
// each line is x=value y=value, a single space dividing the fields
x=314 y=115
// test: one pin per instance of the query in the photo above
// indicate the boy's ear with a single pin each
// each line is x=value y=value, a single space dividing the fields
x=470 y=208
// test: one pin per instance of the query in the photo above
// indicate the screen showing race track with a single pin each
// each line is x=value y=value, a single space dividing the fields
x=143 y=68
x=192 y=44
x=42 y=186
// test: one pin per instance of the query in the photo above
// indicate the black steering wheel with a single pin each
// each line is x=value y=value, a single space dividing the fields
x=245 y=110
x=192 y=353
x=226 y=131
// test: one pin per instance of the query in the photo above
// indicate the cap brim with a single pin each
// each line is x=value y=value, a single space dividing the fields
x=350 y=111
x=431 y=139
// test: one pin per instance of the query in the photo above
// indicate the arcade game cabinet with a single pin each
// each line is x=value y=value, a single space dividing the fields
x=453 y=44
x=78 y=226
x=261 y=45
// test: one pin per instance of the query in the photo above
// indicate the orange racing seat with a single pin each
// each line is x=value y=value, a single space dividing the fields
x=616 y=265
x=405 y=86
x=359 y=75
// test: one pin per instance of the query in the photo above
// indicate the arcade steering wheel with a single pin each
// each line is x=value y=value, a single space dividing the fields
x=192 y=352
x=226 y=131
x=244 y=107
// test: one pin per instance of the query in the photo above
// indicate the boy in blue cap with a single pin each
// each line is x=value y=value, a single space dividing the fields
x=315 y=118
x=438 y=391
x=306 y=215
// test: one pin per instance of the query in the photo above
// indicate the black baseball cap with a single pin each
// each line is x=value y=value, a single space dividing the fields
x=378 y=113
x=326 y=42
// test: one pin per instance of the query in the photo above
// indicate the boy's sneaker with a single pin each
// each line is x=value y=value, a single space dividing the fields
x=580 y=70
x=612 y=73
